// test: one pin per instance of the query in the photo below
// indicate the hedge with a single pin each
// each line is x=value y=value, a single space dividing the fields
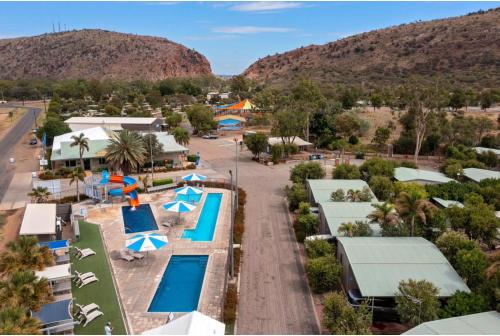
x=164 y=181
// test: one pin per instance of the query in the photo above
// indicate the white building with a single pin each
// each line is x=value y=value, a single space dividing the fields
x=39 y=220
x=114 y=123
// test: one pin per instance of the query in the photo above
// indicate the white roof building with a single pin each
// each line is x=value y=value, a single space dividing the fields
x=297 y=141
x=420 y=176
x=477 y=175
x=39 y=219
x=54 y=273
x=194 y=323
x=114 y=123
x=483 y=150
x=94 y=133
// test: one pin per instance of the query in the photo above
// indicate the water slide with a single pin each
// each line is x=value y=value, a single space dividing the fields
x=129 y=187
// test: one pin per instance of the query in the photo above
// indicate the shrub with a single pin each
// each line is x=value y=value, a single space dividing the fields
x=346 y=171
x=192 y=157
x=410 y=187
x=230 y=304
x=306 y=170
x=377 y=167
x=296 y=194
x=307 y=225
x=318 y=248
x=360 y=155
x=338 y=196
x=304 y=208
x=382 y=187
x=353 y=140
x=414 y=312
x=450 y=242
x=323 y=274
x=276 y=153
x=462 y=303
x=340 y=318
x=159 y=182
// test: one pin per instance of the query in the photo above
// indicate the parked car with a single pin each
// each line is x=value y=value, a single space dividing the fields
x=33 y=141
x=316 y=157
x=384 y=309
x=210 y=136
x=3 y=102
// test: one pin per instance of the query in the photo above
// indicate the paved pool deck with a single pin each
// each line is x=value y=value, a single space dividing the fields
x=137 y=281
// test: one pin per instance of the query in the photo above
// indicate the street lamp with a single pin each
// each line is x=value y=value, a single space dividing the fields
x=231 y=247
x=236 y=159
x=151 y=149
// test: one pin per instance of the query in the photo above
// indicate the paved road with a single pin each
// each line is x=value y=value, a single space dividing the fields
x=274 y=296
x=9 y=142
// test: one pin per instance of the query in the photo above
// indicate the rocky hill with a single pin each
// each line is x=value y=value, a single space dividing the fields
x=463 y=49
x=98 y=54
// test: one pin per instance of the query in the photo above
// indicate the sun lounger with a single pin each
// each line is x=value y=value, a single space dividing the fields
x=85 y=310
x=167 y=224
x=92 y=316
x=82 y=276
x=125 y=256
x=87 y=281
x=88 y=275
x=84 y=253
x=136 y=255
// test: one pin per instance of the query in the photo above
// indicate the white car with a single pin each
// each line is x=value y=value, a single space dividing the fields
x=3 y=102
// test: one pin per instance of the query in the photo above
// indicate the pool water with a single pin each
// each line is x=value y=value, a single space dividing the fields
x=193 y=198
x=139 y=220
x=229 y=122
x=205 y=227
x=180 y=286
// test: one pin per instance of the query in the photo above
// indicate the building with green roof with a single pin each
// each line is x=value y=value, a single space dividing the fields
x=320 y=190
x=477 y=174
x=420 y=176
x=376 y=265
x=333 y=214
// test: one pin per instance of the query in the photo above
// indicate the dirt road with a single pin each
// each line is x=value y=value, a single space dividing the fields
x=274 y=295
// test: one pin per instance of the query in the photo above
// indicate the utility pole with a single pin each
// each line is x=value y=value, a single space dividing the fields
x=151 y=151
x=236 y=158
x=231 y=247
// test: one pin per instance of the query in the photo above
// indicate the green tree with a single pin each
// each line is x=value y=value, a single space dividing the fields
x=126 y=151
x=25 y=254
x=485 y=99
x=256 y=143
x=151 y=142
x=307 y=224
x=338 y=196
x=346 y=171
x=410 y=187
x=363 y=195
x=323 y=274
x=382 y=134
x=346 y=229
x=307 y=98
x=52 y=127
x=77 y=175
x=201 y=118
x=471 y=265
x=386 y=216
x=411 y=206
x=296 y=194
x=39 y=194
x=382 y=187
x=450 y=242
x=318 y=248
x=276 y=152
x=181 y=136
x=173 y=120
x=112 y=110
x=377 y=167
x=346 y=125
x=417 y=302
x=457 y=99
x=16 y=321
x=82 y=142
x=24 y=289
x=287 y=124
x=462 y=303
x=306 y=170
x=376 y=101
x=340 y=318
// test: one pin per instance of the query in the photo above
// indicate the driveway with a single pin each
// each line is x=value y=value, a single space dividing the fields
x=274 y=296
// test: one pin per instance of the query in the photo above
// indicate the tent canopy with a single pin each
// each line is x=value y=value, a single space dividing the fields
x=194 y=323
x=245 y=104
x=39 y=219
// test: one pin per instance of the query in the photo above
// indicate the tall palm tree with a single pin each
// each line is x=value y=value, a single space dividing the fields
x=347 y=229
x=181 y=136
x=77 y=175
x=39 y=194
x=411 y=206
x=15 y=321
x=24 y=253
x=25 y=289
x=82 y=143
x=126 y=151
x=386 y=216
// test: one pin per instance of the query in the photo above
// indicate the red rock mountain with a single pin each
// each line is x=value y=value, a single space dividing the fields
x=462 y=49
x=98 y=54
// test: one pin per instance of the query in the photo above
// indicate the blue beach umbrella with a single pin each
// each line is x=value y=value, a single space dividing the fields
x=194 y=177
x=188 y=190
x=146 y=242
x=179 y=207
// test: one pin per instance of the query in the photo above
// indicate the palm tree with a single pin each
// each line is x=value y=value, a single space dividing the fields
x=83 y=145
x=354 y=195
x=39 y=194
x=385 y=215
x=24 y=253
x=145 y=181
x=411 y=206
x=346 y=229
x=126 y=151
x=77 y=175
x=181 y=136
x=25 y=289
x=15 y=321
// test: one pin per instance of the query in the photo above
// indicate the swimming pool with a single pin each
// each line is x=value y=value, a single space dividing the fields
x=139 y=220
x=189 y=198
x=205 y=227
x=229 y=122
x=180 y=286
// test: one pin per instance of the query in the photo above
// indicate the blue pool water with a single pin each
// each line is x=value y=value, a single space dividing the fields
x=229 y=122
x=195 y=198
x=180 y=286
x=205 y=227
x=139 y=220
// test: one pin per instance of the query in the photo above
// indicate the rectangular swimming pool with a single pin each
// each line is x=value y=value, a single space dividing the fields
x=180 y=286
x=139 y=220
x=193 y=198
x=205 y=227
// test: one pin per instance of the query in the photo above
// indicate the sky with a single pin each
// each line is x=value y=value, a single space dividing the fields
x=232 y=35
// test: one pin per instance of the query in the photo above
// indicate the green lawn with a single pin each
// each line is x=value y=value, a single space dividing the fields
x=102 y=292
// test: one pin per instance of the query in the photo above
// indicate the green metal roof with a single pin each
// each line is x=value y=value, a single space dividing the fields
x=97 y=148
x=380 y=263
x=404 y=174
x=337 y=213
x=322 y=189
x=447 y=203
x=478 y=175
x=487 y=323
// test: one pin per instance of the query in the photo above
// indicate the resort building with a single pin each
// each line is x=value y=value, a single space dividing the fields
x=484 y=150
x=171 y=150
x=487 y=323
x=420 y=176
x=194 y=323
x=321 y=190
x=55 y=317
x=59 y=278
x=333 y=214
x=115 y=123
x=374 y=266
x=40 y=220
x=303 y=145
x=477 y=175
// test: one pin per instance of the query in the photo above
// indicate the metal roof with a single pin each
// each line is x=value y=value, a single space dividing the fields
x=110 y=120
x=55 y=272
x=97 y=148
x=478 y=175
x=169 y=143
x=404 y=174
x=380 y=263
x=322 y=189
x=482 y=150
x=297 y=141
x=447 y=203
x=337 y=213
x=39 y=219
x=54 y=312
x=194 y=323
x=487 y=323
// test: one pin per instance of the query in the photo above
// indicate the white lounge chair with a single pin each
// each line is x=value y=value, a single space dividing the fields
x=85 y=310
x=88 y=275
x=84 y=253
x=82 y=276
x=87 y=281
x=136 y=255
x=125 y=256
x=91 y=316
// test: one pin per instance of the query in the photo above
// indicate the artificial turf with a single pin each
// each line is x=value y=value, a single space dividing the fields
x=103 y=292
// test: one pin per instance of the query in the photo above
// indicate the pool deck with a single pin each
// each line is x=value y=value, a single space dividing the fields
x=137 y=281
